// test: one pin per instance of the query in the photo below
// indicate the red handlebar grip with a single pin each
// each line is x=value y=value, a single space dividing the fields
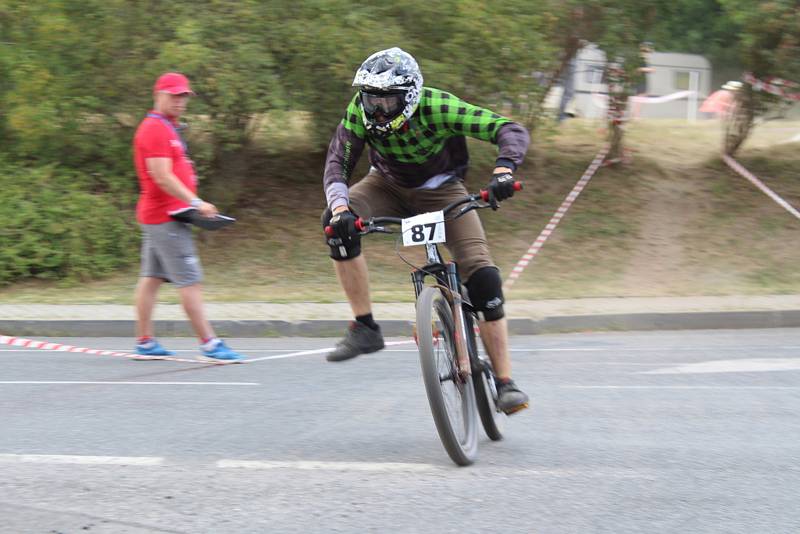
x=359 y=226
x=485 y=193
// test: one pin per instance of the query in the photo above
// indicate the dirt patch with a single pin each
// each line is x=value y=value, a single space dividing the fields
x=669 y=207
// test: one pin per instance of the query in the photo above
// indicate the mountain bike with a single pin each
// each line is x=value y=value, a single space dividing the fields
x=459 y=379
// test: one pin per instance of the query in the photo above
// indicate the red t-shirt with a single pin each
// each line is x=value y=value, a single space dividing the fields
x=156 y=139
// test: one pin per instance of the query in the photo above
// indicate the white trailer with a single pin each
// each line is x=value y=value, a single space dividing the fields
x=675 y=88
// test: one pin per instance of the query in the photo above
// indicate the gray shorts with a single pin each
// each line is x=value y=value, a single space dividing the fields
x=168 y=253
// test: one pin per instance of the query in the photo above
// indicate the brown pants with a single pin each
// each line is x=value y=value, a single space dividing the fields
x=376 y=196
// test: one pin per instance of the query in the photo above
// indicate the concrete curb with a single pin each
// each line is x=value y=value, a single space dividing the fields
x=334 y=328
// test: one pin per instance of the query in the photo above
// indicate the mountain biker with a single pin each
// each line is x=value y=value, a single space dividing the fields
x=418 y=156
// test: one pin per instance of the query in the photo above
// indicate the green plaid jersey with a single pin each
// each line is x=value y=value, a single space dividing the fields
x=440 y=116
x=430 y=143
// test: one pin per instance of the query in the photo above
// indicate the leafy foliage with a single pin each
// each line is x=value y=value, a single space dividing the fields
x=53 y=229
x=770 y=36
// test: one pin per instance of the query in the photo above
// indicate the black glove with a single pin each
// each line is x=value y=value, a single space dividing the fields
x=344 y=225
x=500 y=188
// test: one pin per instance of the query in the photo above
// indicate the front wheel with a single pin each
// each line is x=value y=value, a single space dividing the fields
x=451 y=396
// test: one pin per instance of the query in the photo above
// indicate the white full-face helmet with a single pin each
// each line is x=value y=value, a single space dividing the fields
x=389 y=85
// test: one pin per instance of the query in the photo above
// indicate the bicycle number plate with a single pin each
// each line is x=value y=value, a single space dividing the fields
x=422 y=229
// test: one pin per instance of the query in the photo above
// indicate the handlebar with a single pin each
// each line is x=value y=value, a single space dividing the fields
x=485 y=194
x=371 y=225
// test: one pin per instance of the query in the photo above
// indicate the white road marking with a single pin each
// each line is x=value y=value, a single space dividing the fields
x=633 y=364
x=674 y=350
x=392 y=467
x=187 y=351
x=531 y=349
x=75 y=459
x=749 y=365
x=306 y=465
x=310 y=465
x=315 y=351
x=683 y=387
x=654 y=349
x=122 y=383
x=583 y=472
x=289 y=355
x=184 y=351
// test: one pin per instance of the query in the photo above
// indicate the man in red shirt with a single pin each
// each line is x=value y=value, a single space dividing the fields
x=167 y=182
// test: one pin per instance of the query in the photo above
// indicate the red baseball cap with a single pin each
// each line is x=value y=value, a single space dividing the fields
x=173 y=83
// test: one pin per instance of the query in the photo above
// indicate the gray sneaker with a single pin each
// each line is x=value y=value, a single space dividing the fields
x=510 y=399
x=359 y=339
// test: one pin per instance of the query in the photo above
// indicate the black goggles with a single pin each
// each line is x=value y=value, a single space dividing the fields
x=388 y=103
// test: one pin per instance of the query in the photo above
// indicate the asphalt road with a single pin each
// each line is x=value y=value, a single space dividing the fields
x=650 y=432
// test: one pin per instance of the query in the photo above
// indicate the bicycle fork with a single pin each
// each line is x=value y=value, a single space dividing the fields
x=462 y=352
x=455 y=301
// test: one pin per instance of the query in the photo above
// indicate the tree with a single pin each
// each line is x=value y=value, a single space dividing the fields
x=768 y=46
x=618 y=28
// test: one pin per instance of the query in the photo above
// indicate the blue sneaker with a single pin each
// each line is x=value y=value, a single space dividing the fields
x=221 y=353
x=152 y=348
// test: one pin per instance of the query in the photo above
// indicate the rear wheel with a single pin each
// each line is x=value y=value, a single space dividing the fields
x=451 y=396
x=492 y=419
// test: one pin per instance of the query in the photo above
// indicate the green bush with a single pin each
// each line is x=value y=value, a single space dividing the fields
x=52 y=228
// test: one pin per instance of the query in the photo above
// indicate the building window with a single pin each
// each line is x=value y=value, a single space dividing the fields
x=594 y=74
x=682 y=80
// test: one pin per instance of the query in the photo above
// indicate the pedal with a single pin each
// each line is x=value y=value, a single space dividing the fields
x=515 y=409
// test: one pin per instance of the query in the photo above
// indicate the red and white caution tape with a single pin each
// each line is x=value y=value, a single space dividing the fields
x=537 y=245
x=736 y=166
x=46 y=345
x=601 y=100
x=774 y=86
x=663 y=98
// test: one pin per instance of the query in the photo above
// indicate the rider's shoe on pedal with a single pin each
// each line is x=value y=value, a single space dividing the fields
x=510 y=399
x=359 y=339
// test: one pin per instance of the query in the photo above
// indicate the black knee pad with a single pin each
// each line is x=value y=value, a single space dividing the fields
x=340 y=250
x=485 y=288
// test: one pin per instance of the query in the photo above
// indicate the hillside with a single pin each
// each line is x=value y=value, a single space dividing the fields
x=675 y=221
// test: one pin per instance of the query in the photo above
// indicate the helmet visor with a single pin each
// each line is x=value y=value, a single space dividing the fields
x=383 y=106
